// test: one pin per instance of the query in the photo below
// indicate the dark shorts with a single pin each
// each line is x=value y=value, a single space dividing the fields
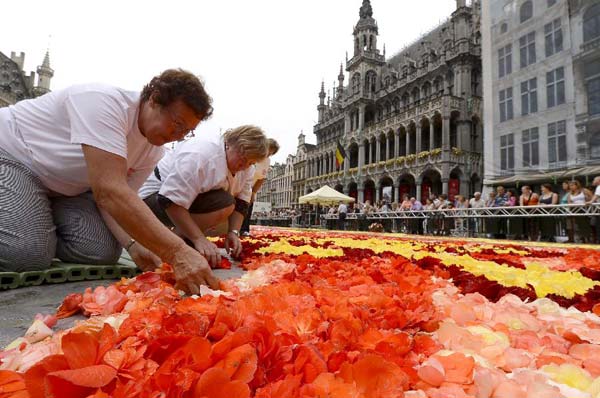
x=204 y=203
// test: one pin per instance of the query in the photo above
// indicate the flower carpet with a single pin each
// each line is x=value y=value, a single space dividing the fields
x=332 y=315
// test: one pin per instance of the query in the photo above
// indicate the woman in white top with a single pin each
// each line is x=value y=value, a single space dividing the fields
x=260 y=176
x=582 y=224
x=203 y=184
x=72 y=161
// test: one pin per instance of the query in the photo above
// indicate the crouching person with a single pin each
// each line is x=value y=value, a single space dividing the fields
x=203 y=187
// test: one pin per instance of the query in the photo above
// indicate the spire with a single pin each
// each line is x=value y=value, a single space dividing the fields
x=322 y=94
x=45 y=74
x=340 y=89
x=46 y=63
x=366 y=11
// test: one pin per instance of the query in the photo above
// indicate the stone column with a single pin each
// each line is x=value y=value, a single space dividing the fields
x=396 y=144
x=431 y=136
x=418 y=196
x=445 y=186
x=407 y=141
x=418 y=136
x=377 y=193
x=396 y=197
x=388 y=155
x=361 y=117
x=377 y=150
x=361 y=195
x=361 y=156
x=347 y=123
x=333 y=163
x=446 y=132
x=346 y=164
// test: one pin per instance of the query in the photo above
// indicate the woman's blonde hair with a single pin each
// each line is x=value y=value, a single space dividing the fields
x=250 y=140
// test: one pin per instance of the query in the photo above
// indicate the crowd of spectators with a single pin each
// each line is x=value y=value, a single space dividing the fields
x=575 y=228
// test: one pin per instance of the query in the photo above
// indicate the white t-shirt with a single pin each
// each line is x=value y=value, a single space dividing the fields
x=476 y=204
x=46 y=134
x=196 y=166
x=261 y=169
x=342 y=208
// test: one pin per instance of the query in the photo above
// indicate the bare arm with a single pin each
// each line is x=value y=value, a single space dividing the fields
x=143 y=258
x=186 y=226
x=257 y=185
x=107 y=174
x=233 y=241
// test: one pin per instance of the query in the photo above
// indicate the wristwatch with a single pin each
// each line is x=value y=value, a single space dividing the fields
x=235 y=231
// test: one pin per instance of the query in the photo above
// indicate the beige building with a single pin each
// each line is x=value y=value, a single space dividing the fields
x=16 y=84
x=300 y=168
x=541 y=75
x=412 y=122
x=278 y=187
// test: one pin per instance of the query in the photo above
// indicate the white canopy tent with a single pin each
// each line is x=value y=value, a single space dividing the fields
x=325 y=196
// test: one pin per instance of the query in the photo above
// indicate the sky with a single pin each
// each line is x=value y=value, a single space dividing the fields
x=262 y=61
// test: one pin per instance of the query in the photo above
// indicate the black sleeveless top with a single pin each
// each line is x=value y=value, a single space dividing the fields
x=546 y=201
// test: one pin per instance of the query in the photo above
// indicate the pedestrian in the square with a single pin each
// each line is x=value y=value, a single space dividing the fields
x=547 y=225
x=260 y=176
x=342 y=211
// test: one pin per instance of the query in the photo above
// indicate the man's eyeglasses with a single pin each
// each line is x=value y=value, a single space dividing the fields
x=180 y=128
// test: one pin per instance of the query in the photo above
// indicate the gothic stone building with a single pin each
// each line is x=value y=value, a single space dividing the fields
x=411 y=122
x=16 y=85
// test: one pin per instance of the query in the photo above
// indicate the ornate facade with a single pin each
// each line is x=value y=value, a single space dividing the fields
x=16 y=85
x=412 y=121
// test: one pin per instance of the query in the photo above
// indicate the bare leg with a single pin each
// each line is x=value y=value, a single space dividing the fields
x=208 y=221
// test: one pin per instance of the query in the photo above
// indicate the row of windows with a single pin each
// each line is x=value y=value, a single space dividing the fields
x=530 y=141
x=553 y=44
x=525 y=13
x=555 y=95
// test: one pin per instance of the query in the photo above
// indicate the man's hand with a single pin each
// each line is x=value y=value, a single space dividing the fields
x=192 y=270
x=209 y=250
x=233 y=244
x=144 y=258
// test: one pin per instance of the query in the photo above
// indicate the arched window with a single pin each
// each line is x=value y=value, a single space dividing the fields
x=426 y=90
x=504 y=28
x=591 y=23
x=356 y=83
x=415 y=95
x=370 y=82
x=526 y=11
x=405 y=100
x=437 y=84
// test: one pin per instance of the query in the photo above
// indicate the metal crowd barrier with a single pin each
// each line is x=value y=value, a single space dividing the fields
x=484 y=212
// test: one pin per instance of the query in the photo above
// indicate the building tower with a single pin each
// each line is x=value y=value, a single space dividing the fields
x=45 y=73
x=321 y=107
x=340 y=88
x=365 y=31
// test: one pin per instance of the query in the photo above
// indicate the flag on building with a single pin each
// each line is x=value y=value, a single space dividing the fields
x=340 y=155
